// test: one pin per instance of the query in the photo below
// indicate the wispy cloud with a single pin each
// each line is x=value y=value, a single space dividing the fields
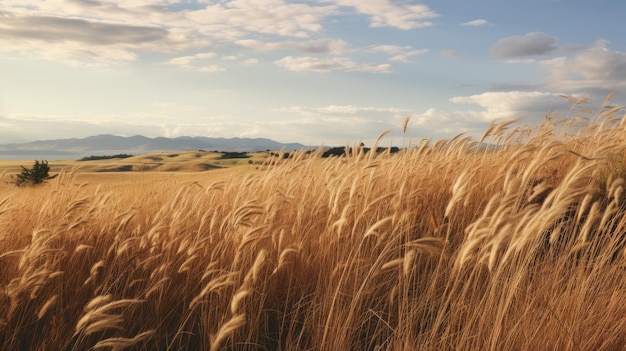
x=56 y=29
x=318 y=46
x=475 y=23
x=389 y=49
x=211 y=68
x=531 y=44
x=400 y=53
x=91 y=33
x=332 y=64
x=342 y=110
x=451 y=53
x=250 y=61
x=196 y=62
x=405 y=56
x=185 y=61
x=104 y=32
x=521 y=61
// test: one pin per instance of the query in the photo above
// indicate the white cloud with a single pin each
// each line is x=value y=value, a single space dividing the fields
x=512 y=104
x=54 y=29
x=521 y=61
x=405 y=57
x=341 y=124
x=107 y=31
x=318 y=46
x=475 y=23
x=400 y=53
x=232 y=19
x=347 y=124
x=342 y=110
x=90 y=33
x=104 y=32
x=251 y=61
x=385 y=13
x=390 y=49
x=185 y=61
x=211 y=69
x=316 y=64
x=196 y=62
x=593 y=67
x=531 y=44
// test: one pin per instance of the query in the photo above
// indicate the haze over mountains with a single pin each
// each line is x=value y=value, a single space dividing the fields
x=112 y=144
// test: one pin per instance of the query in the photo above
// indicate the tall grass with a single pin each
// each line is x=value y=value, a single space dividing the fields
x=512 y=242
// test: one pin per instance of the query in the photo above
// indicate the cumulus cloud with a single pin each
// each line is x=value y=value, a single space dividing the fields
x=316 y=64
x=318 y=46
x=475 y=23
x=593 y=67
x=233 y=18
x=385 y=13
x=531 y=44
x=512 y=104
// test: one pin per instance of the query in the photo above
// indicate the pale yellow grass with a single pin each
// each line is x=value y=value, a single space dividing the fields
x=444 y=246
x=184 y=161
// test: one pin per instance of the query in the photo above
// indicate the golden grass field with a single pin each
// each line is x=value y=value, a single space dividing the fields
x=184 y=161
x=443 y=246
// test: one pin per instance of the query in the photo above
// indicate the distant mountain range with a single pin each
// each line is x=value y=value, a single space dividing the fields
x=112 y=144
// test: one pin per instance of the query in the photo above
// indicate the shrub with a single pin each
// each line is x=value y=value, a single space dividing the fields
x=37 y=175
x=104 y=157
x=233 y=154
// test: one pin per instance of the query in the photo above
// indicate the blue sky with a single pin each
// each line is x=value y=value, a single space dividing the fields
x=330 y=72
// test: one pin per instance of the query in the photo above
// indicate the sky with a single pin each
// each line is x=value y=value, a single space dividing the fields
x=319 y=72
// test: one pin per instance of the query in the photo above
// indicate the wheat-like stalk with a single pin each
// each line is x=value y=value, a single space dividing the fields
x=514 y=241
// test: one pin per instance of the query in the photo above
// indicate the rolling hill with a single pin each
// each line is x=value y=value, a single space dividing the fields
x=107 y=143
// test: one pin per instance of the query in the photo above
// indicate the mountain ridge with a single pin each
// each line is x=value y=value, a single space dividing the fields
x=143 y=144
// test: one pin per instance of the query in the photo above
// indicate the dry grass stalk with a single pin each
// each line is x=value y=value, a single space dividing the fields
x=514 y=245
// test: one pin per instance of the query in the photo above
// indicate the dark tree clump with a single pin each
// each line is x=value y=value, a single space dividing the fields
x=36 y=175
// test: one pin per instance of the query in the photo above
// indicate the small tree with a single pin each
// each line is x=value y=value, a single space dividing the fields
x=37 y=175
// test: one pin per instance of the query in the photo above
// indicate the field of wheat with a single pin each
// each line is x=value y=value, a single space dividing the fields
x=512 y=242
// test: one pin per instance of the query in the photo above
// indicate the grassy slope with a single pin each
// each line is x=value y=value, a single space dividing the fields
x=445 y=247
x=184 y=161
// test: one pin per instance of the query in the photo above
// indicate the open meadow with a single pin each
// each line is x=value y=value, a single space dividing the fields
x=456 y=244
